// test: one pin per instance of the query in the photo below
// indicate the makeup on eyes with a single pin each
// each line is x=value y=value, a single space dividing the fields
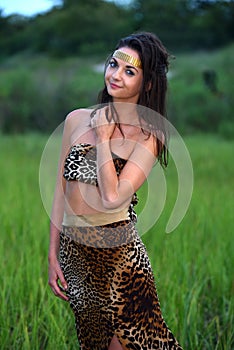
x=130 y=68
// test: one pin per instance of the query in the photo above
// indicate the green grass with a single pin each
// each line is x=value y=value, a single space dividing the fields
x=193 y=265
x=195 y=262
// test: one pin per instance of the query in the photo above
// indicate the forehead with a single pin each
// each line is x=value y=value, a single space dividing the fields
x=129 y=51
x=129 y=56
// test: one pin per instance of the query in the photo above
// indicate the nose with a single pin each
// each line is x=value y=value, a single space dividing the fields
x=116 y=74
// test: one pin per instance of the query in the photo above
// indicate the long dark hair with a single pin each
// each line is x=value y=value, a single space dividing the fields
x=155 y=61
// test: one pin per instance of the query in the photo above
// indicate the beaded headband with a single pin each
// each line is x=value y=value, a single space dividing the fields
x=127 y=58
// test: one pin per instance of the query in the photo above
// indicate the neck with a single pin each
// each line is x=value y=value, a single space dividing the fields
x=127 y=113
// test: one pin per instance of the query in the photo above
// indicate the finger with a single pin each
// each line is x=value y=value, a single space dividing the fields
x=62 y=280
x=56 y=289
x=92 y=123
x=99 y=119
x=108 y=115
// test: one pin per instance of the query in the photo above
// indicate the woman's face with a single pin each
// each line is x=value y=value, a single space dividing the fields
x=123 y=79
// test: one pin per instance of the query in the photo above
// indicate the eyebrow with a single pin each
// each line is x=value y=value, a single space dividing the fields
x=127 y=66
x=132 y=67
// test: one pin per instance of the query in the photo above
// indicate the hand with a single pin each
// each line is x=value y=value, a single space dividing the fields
x=56 y=275
x=103 y=124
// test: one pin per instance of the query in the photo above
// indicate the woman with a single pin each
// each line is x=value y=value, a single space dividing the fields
x=97 y=260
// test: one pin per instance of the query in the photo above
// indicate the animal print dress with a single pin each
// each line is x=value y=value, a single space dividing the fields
x=111 y=286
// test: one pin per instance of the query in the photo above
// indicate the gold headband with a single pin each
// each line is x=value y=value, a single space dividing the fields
x=127 y=58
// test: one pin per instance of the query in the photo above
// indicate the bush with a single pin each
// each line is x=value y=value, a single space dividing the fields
x=195 y=105
x=17 y=95
x=226 y=129
x=39 y=97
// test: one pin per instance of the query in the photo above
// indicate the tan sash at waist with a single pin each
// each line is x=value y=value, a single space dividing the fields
x=98 y=219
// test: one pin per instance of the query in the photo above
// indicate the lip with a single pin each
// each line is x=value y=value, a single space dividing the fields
x=114 y=86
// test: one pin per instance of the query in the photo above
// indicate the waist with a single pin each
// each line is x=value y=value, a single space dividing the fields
x=98 y=219
x=106 y=236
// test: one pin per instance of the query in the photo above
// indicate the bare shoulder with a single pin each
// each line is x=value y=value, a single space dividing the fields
x=78 y=116
x=78 y=126
x=147 y=141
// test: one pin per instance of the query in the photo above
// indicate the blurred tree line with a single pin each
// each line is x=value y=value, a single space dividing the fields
x=47 y=62
x=82 y=27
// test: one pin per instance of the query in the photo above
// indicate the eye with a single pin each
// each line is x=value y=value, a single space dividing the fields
x=130 y=72
x=113 y=64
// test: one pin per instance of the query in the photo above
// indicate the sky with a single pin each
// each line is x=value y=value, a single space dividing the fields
x=26 y=8
x=29 y=8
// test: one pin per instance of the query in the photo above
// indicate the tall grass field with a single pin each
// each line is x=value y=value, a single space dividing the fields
x=193 y=265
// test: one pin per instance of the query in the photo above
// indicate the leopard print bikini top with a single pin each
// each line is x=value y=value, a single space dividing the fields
x=80 y=165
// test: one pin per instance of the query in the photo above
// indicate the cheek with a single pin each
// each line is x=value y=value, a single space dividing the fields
x=136 y=87
x=107 y=75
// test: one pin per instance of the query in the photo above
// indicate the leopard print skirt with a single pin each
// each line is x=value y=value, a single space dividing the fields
x=111 y=288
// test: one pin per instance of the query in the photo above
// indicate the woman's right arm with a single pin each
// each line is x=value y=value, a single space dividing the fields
x=55 y=272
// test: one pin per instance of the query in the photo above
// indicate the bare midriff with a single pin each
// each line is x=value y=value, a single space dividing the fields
x=84 y=200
